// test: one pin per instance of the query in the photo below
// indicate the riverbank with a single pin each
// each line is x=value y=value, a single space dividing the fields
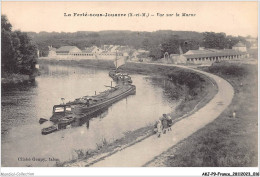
x=193 y=89
x=14 y=79
x=228 y=141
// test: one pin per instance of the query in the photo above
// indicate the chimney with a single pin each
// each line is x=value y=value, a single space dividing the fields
x=181 y=52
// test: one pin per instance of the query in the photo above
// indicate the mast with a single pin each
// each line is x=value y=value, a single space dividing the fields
x=116 y=61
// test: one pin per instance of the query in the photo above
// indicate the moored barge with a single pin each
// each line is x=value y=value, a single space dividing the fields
x=120 y=77
x=65 y=114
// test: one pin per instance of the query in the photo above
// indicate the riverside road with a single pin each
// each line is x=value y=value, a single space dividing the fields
x=140 y=153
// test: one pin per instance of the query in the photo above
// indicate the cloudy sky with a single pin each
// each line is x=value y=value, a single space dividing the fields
x=235 y=18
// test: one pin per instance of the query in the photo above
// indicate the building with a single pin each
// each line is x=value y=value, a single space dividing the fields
x=107 y=48
x=109 y=55
x=139 y=54
x=89 y=53
x=67 y=50
x=177 y=59
x=107 y=52
x=253 y=42
x=85 y=54
x=207 y=56
x=93 y=49
x=114 y=48
x=64 y=52
x=52 y=51
x=240 y=47
x=210 y=56
x=110 y=52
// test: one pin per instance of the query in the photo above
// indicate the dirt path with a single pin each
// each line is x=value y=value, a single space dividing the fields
x=143 y=152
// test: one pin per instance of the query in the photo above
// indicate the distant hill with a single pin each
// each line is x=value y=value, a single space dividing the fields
x=82 y=39
x=157 y=42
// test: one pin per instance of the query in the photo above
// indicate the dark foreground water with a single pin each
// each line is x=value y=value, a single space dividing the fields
x=23 y=105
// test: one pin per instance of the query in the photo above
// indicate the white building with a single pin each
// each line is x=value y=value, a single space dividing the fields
x=178 y=59
x=93 y=49
x=253 y=42
x=52 y=51
x=240 y=47
x=207 y=56
x=109 y=55
x=67 y=52
x=109 y=52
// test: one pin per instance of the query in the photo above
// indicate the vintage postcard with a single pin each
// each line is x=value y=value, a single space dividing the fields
x=129 y=84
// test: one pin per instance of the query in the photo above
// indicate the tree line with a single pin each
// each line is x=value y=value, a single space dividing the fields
x=158 y=42
x=19 y=54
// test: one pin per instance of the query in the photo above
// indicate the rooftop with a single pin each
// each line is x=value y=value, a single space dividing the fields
x=65 y=48
x=90 y=49
x=212 y=53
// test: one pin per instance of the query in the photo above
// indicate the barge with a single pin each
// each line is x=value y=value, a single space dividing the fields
x=117 y=76
x=64 y=115
x=120 y=77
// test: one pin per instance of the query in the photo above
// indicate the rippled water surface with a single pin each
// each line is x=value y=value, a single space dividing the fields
x=23 y=105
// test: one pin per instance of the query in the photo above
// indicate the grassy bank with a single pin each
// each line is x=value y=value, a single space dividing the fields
x=228 y=141
x=194 y=90
x=103 y=64
x=14 y=78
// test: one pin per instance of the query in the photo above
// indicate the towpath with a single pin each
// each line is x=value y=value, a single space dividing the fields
x=140 y=153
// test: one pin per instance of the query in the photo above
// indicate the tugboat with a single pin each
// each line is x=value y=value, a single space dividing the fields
x=65 y=114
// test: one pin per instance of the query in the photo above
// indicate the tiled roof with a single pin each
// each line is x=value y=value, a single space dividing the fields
x=122 y=48
x=197 y=52
x=108 y=52
x=89 y=49
x=115 y=47
x=216 y=53
x=65 y=48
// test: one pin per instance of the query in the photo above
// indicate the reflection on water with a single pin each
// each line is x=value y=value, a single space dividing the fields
x=85 y=120
x=23 y=106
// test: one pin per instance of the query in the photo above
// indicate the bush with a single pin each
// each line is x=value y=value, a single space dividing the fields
x=228 y=69
x=193 y=81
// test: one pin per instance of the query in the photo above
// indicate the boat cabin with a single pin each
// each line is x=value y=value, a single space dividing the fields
x=61 y=109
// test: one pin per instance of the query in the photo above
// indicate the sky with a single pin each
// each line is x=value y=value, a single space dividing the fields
x=232 y=18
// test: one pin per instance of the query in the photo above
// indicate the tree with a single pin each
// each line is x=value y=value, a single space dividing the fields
x=187 y=45
x=221 y=41
x=18 y=52
x=171 y=45
x=231 y=41
x=8 y=60
x=214 y=40
x=28 y=53
x=5 y=24
x=155 y=52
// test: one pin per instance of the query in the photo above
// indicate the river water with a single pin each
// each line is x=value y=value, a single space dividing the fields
x=23 y=105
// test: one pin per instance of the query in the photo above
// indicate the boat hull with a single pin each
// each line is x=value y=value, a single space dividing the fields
x=81 y=111
x=48 y=130
x=93 y=109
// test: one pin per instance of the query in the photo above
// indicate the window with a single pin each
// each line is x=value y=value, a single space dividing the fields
x=68 y=109
x=59 y=109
